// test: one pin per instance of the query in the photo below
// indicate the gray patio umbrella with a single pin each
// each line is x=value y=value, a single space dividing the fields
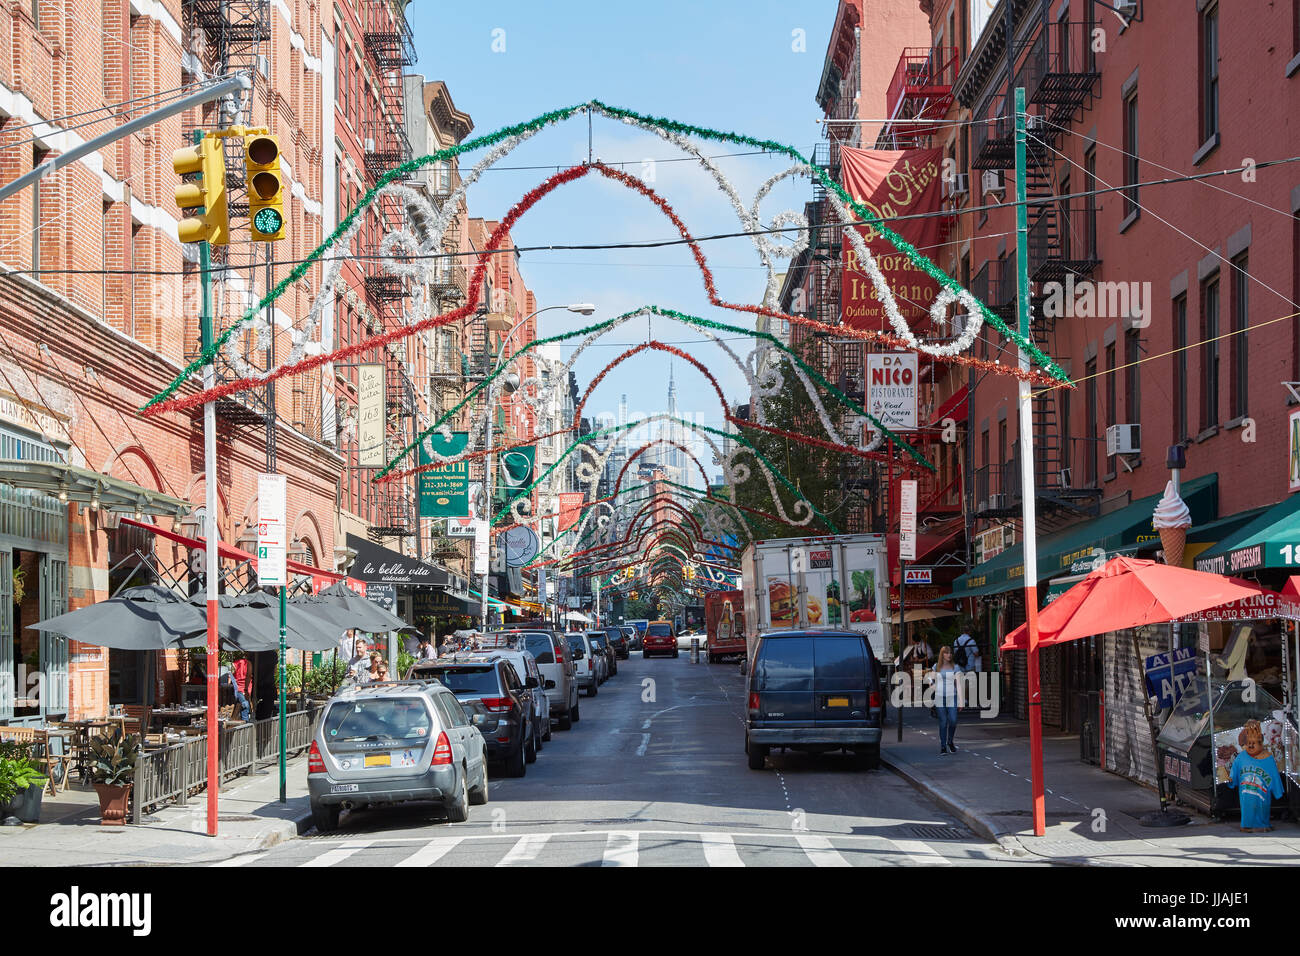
x=252 y=621
x=345 y=607
x=144 y=618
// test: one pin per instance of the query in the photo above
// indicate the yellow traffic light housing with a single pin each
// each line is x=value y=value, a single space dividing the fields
x=265 y=185
x=208 y=193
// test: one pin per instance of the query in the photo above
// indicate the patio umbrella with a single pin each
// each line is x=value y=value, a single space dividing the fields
x=144 y=618
x=343 y=606
x=1129 y=592
x=577 y=616
x=252 y=622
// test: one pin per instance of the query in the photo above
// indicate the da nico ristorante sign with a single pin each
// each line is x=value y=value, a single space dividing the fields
x=444 y=492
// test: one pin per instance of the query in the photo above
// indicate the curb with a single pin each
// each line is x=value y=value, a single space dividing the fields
x=977 y=821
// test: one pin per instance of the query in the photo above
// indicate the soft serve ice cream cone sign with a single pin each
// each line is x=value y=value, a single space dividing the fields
x=1172 y=518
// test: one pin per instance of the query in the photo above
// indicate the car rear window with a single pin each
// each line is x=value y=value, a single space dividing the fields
x=539 y=645
x=463 y=680
x=597 y=639
x=387 y=719
x=784 y=663
x=660 y=630
x=578 y=646
x=614 y=634
x=841 y=660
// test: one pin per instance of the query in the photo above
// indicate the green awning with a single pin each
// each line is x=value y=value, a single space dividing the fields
x=1073 y=550
x=1271 y=540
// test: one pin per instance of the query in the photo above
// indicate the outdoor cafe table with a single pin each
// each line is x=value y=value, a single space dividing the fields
x=175 y=715
x=82 y=731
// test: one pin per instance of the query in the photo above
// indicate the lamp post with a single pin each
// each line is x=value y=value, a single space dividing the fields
x=498 y=322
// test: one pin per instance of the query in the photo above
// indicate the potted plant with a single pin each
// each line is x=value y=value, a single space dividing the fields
x=19 y=584
x=21 y=786
x=112 y=769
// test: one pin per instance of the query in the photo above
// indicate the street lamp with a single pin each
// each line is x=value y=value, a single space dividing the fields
x=499 y=322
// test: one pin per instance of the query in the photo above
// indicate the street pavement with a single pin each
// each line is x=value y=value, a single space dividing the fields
x=655 y=774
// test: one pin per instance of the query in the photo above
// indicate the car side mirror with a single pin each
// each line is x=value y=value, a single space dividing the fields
x=531 y=682
x=550 y=685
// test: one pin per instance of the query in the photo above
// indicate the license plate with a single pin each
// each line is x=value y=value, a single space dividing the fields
x=378 y=760
x=833 y=702
x=344 y=788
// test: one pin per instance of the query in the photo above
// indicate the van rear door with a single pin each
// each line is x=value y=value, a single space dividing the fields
x=783 y=678
x=841 y=695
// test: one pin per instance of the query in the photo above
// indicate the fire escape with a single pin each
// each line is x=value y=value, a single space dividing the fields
x=1059 y=78
x=919 y=95
x=226 y=37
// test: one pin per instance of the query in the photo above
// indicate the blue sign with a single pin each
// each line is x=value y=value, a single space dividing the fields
x=1167 y=675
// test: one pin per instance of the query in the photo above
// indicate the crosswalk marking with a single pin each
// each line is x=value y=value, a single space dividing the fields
x=921 y=853
x=621 y=849
x=525 y=850
x=720 y=850
x=240 y=860
x=819 y=850
x=338 y=855
x=431 y=852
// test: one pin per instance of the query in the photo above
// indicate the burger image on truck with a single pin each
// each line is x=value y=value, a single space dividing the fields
x=828 y=581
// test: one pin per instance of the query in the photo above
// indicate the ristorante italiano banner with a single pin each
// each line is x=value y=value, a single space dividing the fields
x=892 y=183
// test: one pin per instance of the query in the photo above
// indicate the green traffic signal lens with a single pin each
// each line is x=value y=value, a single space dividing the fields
x=268 y=221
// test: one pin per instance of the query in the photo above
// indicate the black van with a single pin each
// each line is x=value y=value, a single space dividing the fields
x=814 y=690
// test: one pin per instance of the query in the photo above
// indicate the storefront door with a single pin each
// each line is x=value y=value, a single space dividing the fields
x=8 y=679
x=54 y=647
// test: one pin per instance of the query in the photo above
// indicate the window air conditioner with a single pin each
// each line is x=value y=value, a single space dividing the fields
x=956 y=187
x=1123 y=440
x=1063 y=478
x=998 y=501
x=993 y=182
x=370 y=145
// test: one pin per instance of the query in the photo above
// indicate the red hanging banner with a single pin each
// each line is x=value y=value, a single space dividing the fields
x=570 y=509
x=892 y=183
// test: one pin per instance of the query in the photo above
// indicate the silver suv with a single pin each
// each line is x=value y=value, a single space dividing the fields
x=394 y=741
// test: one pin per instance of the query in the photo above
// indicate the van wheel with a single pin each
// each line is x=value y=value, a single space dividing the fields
x=326 y=818
x=575 y=712
x=868 y=758
x=757 y=754
x=566 y=721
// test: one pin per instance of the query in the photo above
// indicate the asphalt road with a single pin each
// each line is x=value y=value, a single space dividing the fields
x=655 y=774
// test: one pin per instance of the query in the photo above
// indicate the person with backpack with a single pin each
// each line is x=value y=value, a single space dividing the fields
x=966 y=652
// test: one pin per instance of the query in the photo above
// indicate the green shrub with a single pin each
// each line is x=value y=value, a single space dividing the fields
x=17 y=773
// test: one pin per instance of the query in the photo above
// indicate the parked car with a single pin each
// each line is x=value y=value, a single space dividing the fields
x=659 y=639
x=386 y=743
x=814 y=690
x=601 y=641
x=633 y=637
x=526 y=667
x=618 y=641
x=489 y=686
x=587 y=662
x=556 y=664
x=684 y=639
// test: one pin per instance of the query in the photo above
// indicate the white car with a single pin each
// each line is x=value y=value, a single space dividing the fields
x=685 y=637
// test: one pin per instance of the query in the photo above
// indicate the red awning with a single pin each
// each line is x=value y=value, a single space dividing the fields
x=235 y=554
x=954 y=408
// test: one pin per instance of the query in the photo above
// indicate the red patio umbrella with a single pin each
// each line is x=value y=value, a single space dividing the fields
x=1129 y=592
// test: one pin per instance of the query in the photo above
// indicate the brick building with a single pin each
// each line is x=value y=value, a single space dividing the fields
x=98 y=312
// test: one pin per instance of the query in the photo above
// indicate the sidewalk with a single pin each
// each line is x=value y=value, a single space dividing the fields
x=1092 y=815
x=250 y=817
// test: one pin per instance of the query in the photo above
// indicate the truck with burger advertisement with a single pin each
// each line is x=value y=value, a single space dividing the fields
x=830 y=581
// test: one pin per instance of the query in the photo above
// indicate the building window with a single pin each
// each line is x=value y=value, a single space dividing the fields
x=1090 y=204
x=1209 y=73
x=39 y=155
x=1239 y=353
x=1295 y=276
x=1090 y=24
x=1063 y=406
x=1131 y=154
x=1112 y=417
x=1091 y=411
x=1132 y=376
x=1180 y=368
x=1210 y=352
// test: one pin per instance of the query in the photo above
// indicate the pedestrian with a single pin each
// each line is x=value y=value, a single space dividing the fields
x=376 y=664
x=240 y=670
x=426 y=652
x=947 y=698
x=227 y=678
x=359 y=662
x=966 y=652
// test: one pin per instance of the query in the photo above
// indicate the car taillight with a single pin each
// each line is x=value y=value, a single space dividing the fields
x=496 y=705
x=441 y=751
x=315 y=762
x=753 y=700
x=874 y=700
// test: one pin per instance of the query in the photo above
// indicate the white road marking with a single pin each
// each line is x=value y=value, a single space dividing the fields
x=819 y=850
x=720 y=850
x=240 y=860
x=338 y=855
x=921 y=853
x=525 y=850
x=645 y=742
x=621 y=849
x=431 y=852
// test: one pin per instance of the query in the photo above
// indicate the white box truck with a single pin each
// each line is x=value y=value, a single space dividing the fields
x=830 y=581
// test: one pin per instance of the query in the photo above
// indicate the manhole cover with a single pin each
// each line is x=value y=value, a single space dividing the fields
x=924 y=832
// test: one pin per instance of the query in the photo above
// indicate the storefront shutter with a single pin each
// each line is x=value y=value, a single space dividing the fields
x=6 y=634
x=54 y=647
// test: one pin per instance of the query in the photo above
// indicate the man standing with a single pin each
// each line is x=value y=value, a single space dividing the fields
x=359 y=663
x=967 y=652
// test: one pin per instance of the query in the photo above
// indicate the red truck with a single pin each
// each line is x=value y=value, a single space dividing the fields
x=724 y=623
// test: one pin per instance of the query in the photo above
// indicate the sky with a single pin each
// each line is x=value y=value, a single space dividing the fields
x=750 y=68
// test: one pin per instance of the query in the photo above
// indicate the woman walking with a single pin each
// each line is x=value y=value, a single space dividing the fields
x=947 y=698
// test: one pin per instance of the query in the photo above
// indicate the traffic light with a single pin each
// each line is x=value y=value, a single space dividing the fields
x=208 y=193
x=265 y=187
